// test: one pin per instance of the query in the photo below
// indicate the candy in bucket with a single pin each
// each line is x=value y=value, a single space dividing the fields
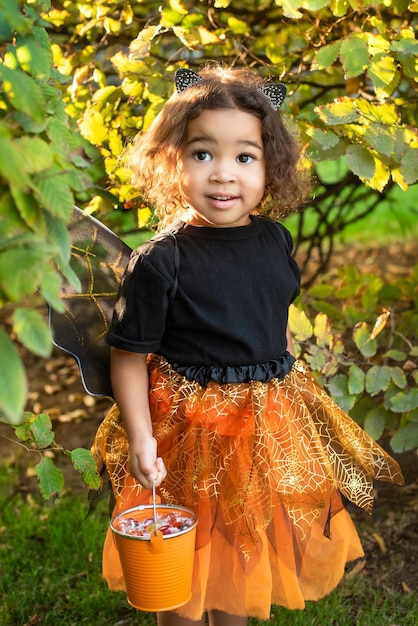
x=156 y=548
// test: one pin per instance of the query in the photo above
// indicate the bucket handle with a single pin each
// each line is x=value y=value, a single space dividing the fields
x=156 y=537
x=154 y=504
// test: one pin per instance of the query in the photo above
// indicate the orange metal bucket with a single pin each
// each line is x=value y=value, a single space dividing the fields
x=157 y=569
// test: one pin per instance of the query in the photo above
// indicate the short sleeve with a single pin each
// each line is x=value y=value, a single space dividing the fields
x=139 y=316
x=294 y=267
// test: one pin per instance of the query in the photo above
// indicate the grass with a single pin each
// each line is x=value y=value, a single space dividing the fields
x=50 y=574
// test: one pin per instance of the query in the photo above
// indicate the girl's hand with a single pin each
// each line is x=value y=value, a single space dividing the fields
x=144 y=464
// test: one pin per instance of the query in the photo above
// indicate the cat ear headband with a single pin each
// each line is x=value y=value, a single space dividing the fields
x=274 y=92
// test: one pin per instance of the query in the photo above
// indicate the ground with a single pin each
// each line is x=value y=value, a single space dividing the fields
x=389 y=536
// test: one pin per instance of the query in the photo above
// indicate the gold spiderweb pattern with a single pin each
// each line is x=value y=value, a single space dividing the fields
x=253 y=447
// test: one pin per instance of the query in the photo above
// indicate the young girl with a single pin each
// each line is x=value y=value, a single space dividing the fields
x=211 y=404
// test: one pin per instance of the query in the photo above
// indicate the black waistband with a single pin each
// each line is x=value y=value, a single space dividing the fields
x=264 y=372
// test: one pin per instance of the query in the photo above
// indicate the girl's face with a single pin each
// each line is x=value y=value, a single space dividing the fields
x=222 y=168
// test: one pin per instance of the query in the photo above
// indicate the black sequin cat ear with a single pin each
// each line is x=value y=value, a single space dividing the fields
x=275 y=94
x=185 y=78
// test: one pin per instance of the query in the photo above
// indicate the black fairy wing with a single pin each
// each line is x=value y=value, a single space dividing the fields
x=99 y=259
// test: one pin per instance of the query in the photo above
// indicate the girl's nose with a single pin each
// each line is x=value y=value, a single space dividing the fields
x=222 y=173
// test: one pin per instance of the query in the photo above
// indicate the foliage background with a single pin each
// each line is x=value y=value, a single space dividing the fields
x=80 y=77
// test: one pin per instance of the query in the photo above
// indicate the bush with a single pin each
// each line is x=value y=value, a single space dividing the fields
x=367 y=363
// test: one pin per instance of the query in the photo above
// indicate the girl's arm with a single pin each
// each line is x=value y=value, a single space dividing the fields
x=290 y=346
x=129 y=374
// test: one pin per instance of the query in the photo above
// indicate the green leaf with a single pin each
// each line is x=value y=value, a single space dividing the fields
x=12 y=168
x=329 y=309
x=317 y=358
x=354 y=55
x=21 y=271
x=84 y=462
x=381 y=138
x=409 y=65
x=32 y=331
x=406 y=438
x=59 y=237
x=405 y=401
x=40 y=430
x=360 y=162
x=70 y=275
x=405 y=46
x=361 y=337
x=395 y=355
x=29 y=210
x=10 y=13
x=398 y=377
x=338 y=388
x=374 y=424
x=34 y=53
x=299 y=324
x=54 y=195
x=51 y=478
x=328 y=140
x=23 y=93
x=369 y=300
x=321 y=291
x=13 y=388
x=35 y=154
x=50 y=289
x=326 y=56
x=378 y=379
x=409 y=166
x=22 y=430
x=356 y=378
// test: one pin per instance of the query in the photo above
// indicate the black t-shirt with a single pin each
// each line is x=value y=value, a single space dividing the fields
x=231 y=304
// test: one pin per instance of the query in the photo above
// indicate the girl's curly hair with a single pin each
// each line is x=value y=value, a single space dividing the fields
x=154 y=154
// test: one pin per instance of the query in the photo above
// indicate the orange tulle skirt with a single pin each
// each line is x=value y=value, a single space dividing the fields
x=264 y=466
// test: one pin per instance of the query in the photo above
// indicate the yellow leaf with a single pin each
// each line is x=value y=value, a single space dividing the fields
x=322 y=330
x=93 y=128
x=379 y=324
x=178 y=7
x=359 y=567
x=406 y=588
x=377 y=43
x=399 y=179
x=380 y=542
x=380 y=177
x=143 y=216
x=300 y=326
x=115 y=142
x=384 y=113
x=207 y=37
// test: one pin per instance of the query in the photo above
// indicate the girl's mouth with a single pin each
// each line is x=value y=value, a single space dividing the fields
x=222 y=202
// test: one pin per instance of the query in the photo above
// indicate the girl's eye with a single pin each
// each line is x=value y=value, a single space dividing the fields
x=201 y=155
x=245 y=158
